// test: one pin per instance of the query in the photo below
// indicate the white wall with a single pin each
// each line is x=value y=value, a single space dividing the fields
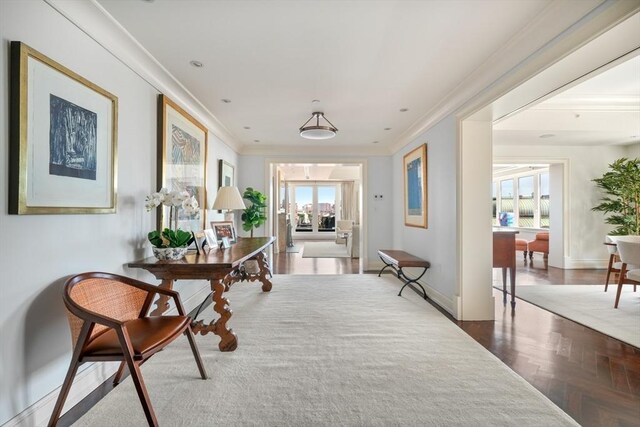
x=40 y=250
x=585 y=229
x=252 y=173
x=437 y=244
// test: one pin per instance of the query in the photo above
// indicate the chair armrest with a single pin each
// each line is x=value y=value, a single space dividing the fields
x=91 y=316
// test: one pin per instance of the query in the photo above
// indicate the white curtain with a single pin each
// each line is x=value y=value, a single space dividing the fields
x=350 y=201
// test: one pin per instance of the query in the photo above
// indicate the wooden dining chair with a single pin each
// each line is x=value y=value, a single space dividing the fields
x=108 y=318
x=629 y=252
x=614 y=260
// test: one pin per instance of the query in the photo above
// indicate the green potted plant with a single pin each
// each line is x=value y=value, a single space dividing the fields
x=621 y=203
x=171 y=243
x=254 y=215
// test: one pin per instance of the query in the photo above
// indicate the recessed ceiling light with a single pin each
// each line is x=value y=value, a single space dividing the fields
x=196 y=64
x=315 y=101
x=387 y=128
x=375 y=142
x=148 y=1
x=404 y=110
x=247 y=127
x=547 y=135
x=256 y=140
x=226 y=101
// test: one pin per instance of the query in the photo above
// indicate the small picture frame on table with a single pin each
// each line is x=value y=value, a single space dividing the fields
x=210 y=238
x=224 y=229
x=225 y=243
x=200 y=241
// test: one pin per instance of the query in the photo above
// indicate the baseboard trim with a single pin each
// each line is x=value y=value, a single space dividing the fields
x=85 y=382
x=576 y=264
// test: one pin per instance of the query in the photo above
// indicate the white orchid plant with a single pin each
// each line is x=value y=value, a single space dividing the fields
x=175 y=200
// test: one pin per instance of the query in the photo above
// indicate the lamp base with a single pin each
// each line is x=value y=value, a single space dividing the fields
x=229 y=216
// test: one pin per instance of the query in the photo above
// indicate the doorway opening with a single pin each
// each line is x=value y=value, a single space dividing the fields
x=317 y=217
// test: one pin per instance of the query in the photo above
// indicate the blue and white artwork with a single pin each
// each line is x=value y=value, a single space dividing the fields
x=73 y=139
x=414 y=187
x=185 y=149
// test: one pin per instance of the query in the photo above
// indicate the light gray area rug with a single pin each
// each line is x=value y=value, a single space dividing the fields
x=324 y=250
x=590 y=306
x=339 y=350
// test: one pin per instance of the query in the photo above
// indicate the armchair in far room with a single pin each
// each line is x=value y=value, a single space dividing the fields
x=540 y=244
x=343 y=226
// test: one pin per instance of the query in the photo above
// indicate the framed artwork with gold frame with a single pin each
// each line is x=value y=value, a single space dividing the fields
x=415 y=187
x=63 y=133
x=182 y=161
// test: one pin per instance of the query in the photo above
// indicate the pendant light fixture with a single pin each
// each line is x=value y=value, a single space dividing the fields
x=316 y=130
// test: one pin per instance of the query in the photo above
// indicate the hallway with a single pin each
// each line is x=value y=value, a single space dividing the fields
x=294 y=263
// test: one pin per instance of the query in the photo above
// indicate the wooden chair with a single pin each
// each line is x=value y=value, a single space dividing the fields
x=614 y=259
x=629 y=252
x=108 y=318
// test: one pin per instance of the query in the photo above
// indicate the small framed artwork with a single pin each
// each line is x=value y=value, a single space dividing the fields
x=182 y=161
x=415 y=187
x=224 y=229
x=225 y=174
x=200 y=241
x=63 y=133
x=210 y=238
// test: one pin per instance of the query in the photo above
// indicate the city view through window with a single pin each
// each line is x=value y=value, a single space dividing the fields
x=315 y=208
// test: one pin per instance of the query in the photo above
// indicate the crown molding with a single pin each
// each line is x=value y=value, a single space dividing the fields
x=559 y=29
x=92 y=19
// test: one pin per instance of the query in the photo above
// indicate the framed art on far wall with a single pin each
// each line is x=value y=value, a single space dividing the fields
x=63 y=139
x=225 y=174
x=415 y=187
x=182 y=160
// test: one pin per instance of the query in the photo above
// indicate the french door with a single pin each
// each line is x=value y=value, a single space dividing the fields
x=312 y=207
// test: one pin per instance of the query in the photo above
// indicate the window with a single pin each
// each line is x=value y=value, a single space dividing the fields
x=522 y=199
x=544 y=200
x=313 y=207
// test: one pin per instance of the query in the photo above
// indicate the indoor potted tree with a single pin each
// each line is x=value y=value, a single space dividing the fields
x=254 y=216
x=621 y=203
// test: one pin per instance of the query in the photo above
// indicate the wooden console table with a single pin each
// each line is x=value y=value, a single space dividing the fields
x=504 y=256
x=214 y=266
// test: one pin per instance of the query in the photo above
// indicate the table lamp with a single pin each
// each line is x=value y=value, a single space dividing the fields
x=229 y=199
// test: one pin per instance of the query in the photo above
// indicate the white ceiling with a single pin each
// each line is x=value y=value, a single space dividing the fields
x=364 y=60
x=603 y=109
x=318 y=172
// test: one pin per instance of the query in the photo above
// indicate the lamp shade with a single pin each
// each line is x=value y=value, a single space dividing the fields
x=228 y=198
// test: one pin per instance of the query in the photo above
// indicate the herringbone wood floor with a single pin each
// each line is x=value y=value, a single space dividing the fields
x=592 y=377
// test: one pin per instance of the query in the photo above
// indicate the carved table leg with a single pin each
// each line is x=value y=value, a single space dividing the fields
x=162 y=304
x=228 y=340
x=263 y=263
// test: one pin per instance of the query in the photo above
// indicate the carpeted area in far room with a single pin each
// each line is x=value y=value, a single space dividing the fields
x=329 y=249
x=332 y=350
x=590 y=306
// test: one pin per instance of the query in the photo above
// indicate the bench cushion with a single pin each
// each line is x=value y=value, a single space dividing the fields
x=403 y=259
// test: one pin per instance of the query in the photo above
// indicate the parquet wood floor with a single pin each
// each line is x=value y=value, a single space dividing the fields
x=592 y=377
